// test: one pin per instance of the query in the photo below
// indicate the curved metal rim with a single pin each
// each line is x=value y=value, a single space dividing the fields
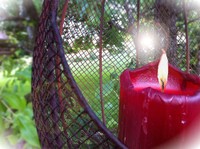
x=72 y=82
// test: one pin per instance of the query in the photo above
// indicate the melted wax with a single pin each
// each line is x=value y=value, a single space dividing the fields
x=149 y=117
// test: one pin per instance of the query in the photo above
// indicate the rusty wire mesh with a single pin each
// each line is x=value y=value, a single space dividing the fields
x=66 y=69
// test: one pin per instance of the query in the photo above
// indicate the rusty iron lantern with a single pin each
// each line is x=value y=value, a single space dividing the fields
x=72 y=110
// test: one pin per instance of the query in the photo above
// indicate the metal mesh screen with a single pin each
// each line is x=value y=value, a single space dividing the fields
x=133 y=34
x=84 y=63
x=63 y=118
x=126 y=27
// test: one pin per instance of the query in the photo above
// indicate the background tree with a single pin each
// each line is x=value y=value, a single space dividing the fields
x=18 y=21
x=18 y=27
x=164 y=18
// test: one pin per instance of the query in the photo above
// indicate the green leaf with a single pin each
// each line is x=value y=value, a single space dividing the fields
x=28 y=111
x=38 y=5
x=1 y=124
x=14 y=101
x=24 y=74
x=29 y=134
x=2 y=107
x=24 y=88
x=27 y=129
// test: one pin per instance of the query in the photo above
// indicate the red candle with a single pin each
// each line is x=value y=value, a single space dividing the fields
x=149 y=117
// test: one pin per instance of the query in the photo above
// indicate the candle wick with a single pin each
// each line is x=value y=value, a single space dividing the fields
x=163 y=85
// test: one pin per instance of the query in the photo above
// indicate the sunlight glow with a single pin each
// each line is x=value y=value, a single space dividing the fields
x=146 y=42
x=196 y=2
x=3 y=3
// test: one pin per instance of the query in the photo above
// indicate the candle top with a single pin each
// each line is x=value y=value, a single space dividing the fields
x=179 y=83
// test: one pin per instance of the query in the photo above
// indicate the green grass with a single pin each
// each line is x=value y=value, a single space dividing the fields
x=90 y=91
x=86 y=75
x=16 y=113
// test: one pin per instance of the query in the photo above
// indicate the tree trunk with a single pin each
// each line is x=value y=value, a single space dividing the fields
x=166 y=16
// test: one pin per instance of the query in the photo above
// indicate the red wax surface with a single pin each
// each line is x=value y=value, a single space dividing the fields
x=149 y=117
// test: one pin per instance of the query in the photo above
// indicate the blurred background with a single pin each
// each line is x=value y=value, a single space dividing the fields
x=18 y=27
x=18 y=21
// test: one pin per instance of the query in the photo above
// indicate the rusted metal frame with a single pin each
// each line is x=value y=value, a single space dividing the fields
x=52 y=89
x=102 y=142
x=75 y=133
x=37 y=50
x=74 y=120
x=81 y=99
x=53 y=99
x=64 y=12
x=89 y=137
x=58 y=68
x=36 y=71
x=187 y=38
x=101 y=61
x=138 y=30
x=87 y=133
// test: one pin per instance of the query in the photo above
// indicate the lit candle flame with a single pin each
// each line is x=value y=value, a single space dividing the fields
x=163 y=70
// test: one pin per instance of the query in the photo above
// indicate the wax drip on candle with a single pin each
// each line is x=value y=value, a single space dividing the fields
x=184 y=113
x=163 y=70
x=145 y=117
x=144 y=124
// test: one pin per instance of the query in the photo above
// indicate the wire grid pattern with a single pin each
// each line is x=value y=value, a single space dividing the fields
x=63 y=117
x=85 y=63
x=194 y=41
x=163 y=19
